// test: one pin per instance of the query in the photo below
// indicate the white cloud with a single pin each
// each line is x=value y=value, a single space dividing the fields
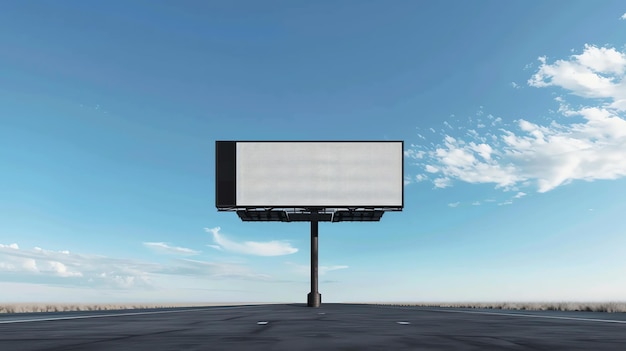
x=57 y=268
x=322 y=270
x=476 y=203
x=518 y=195
x=431 y=169
x=61 y=268
x=13 y=246
x=421 y=178
x=623 y=16
x=407 y=180
x=602 y=60
x=325 y=269
x=220 y=270
x=454 y=204
x=442 y=182
x=414 y=154
x=586 y=143
x=166 y=248
x=459 y=160
x=269 y=248
x=515 y=85
x=596 y=73
x=65 y=268
x=483 y=150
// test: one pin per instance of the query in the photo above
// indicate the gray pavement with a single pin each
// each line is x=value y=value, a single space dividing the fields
x=297 y=327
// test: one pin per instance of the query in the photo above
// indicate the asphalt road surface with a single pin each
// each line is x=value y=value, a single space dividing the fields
x=297 y=327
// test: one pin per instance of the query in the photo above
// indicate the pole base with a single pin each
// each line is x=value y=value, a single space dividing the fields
x=314 y=299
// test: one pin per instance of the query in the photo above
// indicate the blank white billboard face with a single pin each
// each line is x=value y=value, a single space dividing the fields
x=319 y=174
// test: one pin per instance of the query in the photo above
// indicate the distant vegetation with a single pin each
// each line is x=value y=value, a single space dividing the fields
x=52 y=307
x=611 y=307
x=530 y=306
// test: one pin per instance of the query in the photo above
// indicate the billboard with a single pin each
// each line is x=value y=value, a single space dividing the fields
x=305 y=174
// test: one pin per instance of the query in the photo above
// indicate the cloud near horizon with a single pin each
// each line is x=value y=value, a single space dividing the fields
x=268 y=248
x=62 y=268
x=162 y=247
x=322 y=270
x=586 y=143
x=217 y=270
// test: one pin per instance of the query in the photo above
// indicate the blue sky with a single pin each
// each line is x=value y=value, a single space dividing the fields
x=513 y=116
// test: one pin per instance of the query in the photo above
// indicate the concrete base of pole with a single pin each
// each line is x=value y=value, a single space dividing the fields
x=314 y=299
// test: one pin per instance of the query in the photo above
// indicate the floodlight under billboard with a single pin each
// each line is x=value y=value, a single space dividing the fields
x=311 y=181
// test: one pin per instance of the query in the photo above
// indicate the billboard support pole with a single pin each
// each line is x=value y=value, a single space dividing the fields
x=314 y=298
